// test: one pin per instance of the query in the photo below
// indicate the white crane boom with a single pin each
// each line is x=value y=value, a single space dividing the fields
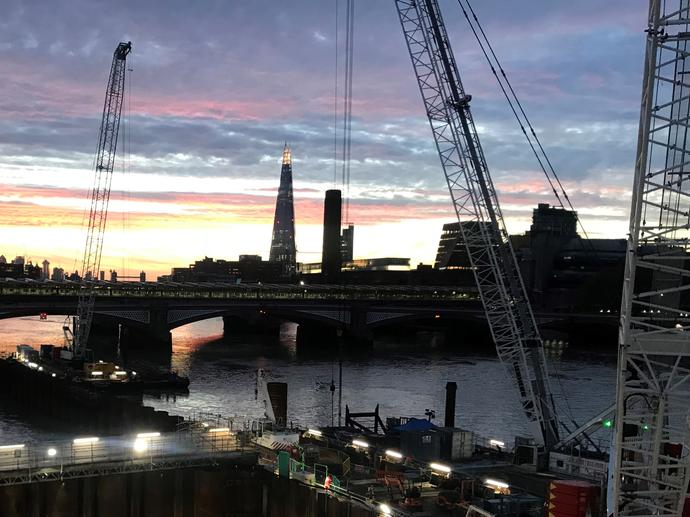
x=482 y=227
x=651 y=459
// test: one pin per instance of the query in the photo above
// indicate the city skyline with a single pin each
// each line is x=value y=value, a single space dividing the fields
x=206 y=134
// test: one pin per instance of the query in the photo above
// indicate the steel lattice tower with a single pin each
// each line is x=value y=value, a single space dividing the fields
x=482 y=226
x=283 y=242
x=651 y=459
x=100 y=196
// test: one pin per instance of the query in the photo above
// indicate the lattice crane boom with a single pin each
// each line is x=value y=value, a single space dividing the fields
x=100 y=196
x=650 y=464
x=482 y=226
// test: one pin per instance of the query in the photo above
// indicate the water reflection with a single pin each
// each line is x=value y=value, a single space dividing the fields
x=404 y=374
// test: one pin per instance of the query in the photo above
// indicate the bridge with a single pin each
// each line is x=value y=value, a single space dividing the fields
x=153 y=309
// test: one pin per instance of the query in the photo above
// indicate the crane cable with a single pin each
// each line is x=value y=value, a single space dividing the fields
x=516 y=106
x=541 y=156
x=345 y=151
x=347 y=105
x=127 y=164
x=335 y=97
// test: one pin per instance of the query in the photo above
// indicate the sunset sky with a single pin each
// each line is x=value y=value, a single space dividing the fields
x=218 y=86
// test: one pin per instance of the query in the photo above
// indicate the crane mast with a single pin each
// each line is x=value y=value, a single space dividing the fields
x=650 y=463
x=100 y=196
x=482 y=226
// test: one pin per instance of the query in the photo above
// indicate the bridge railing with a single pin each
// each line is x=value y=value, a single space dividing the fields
x=239 y=291
x=143 y=451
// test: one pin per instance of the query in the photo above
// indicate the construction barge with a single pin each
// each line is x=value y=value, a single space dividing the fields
x=95 y=396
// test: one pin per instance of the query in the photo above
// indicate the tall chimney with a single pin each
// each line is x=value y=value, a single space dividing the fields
x=331 y=259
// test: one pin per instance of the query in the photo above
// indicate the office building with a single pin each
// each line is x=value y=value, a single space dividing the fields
x=347 y=243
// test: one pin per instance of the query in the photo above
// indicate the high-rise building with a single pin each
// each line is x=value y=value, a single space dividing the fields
x=331 y=258
x=560 y=269
x=347 y=243
x=58 y=274
x=452 y=252
x=142 y=276
x=283 y=241
x=552 y=228
x=46 y=269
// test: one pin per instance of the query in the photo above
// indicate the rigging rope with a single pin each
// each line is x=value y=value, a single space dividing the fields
x=126 y=165
x=518 y=111
x=347 y=105
x=345 y=151
x=533 y=141
x=335 y=97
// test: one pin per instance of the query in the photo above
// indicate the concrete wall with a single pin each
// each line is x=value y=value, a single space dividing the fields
x=287 y=498
x=230 y=490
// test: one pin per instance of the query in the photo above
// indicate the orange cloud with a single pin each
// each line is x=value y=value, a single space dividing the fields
x=39 y=206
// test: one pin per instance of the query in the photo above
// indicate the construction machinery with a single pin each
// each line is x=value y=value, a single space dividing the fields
x=650 y=462
x=77 y=338
x=482 y=226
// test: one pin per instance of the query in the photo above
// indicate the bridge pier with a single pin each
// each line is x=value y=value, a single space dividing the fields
x=316 y=337
x=322 y=338
x=252 y=324
x=155 y=334
x=142 y=337
x=358 y=332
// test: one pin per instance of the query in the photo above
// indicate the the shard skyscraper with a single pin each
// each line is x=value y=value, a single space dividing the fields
x=283 y=242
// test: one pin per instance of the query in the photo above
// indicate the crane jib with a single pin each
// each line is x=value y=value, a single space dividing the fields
x=100 y=197
x=482 y=227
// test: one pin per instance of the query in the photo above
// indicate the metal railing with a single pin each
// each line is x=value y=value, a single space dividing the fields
x=191 y=445
x=221 y=291
x=313 y=476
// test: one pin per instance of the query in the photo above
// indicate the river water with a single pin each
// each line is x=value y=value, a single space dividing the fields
x=404 y=376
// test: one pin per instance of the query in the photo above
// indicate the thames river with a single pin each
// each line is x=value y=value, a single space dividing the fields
x=405 y=377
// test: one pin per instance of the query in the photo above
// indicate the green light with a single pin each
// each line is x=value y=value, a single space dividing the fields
x=645 y=427
x=607 y=423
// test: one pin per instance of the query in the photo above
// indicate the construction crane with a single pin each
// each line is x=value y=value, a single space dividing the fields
x=650 y=462
x=100 y=196
x=481 y=222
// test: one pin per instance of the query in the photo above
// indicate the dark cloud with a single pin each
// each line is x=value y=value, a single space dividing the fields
x=219 y=85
